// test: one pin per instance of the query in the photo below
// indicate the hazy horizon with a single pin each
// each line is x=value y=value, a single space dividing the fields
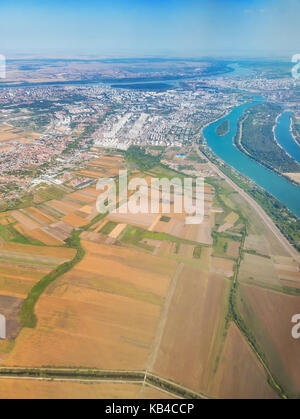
x=157 y=28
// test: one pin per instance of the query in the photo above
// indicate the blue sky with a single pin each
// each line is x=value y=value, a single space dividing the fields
x=150 y=27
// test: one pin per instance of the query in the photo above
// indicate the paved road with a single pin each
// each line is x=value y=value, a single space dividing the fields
x=265 y=218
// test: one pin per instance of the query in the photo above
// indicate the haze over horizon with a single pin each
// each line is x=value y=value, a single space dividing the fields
x=140 y=28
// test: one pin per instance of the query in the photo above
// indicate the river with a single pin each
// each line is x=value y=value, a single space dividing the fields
x=284 y=136
x=223 y=147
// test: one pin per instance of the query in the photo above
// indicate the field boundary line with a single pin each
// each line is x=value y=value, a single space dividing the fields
x=142 y=377
x=267 y=220
x=240 y=323
x=163 y=319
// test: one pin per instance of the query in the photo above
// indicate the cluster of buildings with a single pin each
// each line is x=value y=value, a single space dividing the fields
x=281 y=90
x=70 y=120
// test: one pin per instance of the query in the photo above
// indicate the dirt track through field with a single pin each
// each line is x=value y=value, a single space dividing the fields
x=163 y=320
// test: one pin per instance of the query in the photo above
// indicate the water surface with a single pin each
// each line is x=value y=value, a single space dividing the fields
x=284 y=136
x=223 y=147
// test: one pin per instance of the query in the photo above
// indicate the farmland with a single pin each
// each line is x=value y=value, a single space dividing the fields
x=146 y=292
x=9 y=134
x=269 y=314
x=57 y=209
x=199 y=298
x=109 y=316
x=239 y=374
x=21 y=267
x=30 y=389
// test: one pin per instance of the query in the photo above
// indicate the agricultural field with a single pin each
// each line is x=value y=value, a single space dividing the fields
x=194 y=329
x=103 y=318
x=10 y=134
x=268 y=315
x=21 y=267
x=206 y=306
x=239 y=374
x=51 y=221
x=103 y=166
x=36 y=389
x=10 y=307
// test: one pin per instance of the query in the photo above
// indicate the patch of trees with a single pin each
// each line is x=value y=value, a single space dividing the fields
x=258 y=138
x=223 y=128
x=144 y=161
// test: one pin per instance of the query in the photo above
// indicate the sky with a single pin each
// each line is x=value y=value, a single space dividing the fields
x=139 y=28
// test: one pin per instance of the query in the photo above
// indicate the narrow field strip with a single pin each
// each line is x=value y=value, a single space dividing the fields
x=85 y=375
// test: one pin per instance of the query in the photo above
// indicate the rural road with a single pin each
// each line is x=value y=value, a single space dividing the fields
x=265 y=218
x=48 y=374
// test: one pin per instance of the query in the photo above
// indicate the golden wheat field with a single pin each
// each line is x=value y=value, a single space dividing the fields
x=37 y=389
x=103 y=313
x=268 y=314
x=192 y=336
x=239 y=374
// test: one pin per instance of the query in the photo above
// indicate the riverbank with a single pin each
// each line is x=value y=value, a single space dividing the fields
x=269 y=222
x=237 y=141
x=239 y=136
x=294 y=177
x=278 y=186
x=292 y=133
x=284 y=137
